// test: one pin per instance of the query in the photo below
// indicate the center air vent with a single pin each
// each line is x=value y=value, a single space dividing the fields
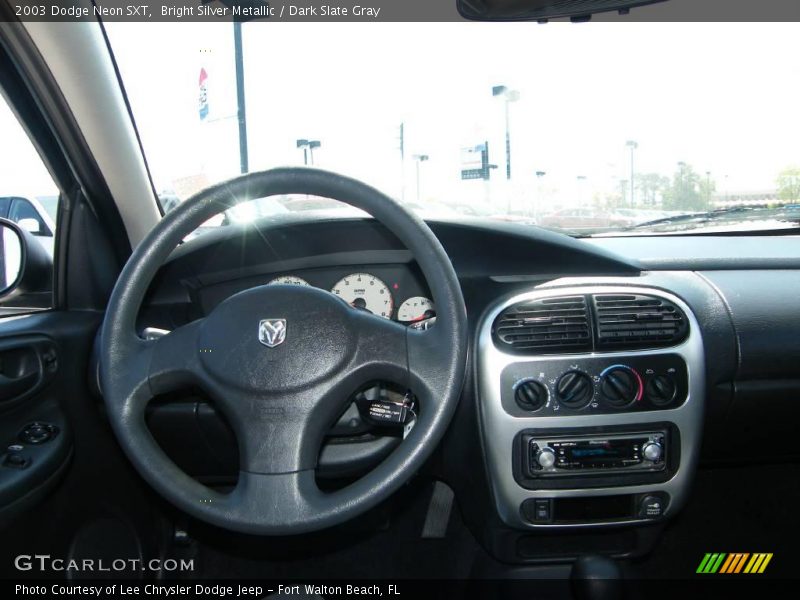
x=627 y=321
x=548 y=325
x=583 y=323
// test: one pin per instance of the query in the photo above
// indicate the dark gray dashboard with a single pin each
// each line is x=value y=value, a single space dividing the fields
x=745 y=291
x=706 y=252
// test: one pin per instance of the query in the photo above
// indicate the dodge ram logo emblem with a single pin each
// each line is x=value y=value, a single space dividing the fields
x=272 y=332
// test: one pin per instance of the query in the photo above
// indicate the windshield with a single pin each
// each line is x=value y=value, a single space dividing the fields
x=592 y=128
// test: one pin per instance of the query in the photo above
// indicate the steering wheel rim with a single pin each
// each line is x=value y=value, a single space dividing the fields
x=291 y=402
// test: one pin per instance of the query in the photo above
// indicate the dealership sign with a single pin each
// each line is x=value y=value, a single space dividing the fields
x=475 y=162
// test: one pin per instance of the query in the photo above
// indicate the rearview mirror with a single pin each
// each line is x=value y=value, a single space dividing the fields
x=542 y=10
x=25 y=266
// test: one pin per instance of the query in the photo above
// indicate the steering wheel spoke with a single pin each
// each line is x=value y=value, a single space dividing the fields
x=276 y=433
x=175 y=359
x=285 y=501
x=381 y=352
x=426 y=353
x=411 y=358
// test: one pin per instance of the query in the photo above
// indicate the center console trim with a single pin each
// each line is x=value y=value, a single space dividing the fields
x=499 y=429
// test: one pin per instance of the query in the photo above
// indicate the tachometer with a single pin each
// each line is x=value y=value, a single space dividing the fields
x=366 y=292
x=289 y=280
x=416 y=309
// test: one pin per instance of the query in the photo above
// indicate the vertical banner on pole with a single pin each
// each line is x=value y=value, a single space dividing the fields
x=203 y=95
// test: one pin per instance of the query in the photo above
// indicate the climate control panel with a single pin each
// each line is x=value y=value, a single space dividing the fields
x=594 y=385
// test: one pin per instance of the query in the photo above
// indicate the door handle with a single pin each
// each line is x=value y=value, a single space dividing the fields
x=26 y=364
x=11 y=387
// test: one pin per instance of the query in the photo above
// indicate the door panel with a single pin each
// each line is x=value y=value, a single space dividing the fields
x=39 y=368
x=80 y=477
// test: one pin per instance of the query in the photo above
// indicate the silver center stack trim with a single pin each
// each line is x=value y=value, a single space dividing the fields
x=498 y=428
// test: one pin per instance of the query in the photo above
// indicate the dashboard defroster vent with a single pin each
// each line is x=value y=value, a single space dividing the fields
x=547 y=325
x=637 y=321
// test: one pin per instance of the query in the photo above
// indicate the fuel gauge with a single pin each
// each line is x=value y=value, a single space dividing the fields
x=416 y=309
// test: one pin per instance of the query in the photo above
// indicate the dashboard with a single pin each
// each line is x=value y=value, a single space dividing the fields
x=571 y=419
x=395 y=292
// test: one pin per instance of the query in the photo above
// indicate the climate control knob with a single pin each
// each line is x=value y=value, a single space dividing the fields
x=661 y=390
x=574 y=389
x=546 y=458
x=620 y=386
x=652 y=451
x=530 y=395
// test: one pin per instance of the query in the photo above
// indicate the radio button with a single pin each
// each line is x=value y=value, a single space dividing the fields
x=546 y=458
x=652 y=451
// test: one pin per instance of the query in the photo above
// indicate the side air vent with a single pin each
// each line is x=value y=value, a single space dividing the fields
x=625 y=321
x=544 y=326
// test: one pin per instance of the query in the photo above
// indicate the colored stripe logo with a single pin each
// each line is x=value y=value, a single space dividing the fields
x=734 y=563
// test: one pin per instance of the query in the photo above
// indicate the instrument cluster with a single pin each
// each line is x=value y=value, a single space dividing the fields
x=400 y=298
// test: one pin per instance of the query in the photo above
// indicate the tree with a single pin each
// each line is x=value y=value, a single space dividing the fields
x=651 y=187
x=707 y=188
x=686 y=190
x=789 y=184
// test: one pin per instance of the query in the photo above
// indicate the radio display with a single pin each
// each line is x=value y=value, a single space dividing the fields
x=578 y=452
x=601 y=451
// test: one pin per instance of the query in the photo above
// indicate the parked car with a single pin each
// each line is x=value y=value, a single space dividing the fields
x=582 y=219
x=636 y=216
x=168 y=200
x=35 y=215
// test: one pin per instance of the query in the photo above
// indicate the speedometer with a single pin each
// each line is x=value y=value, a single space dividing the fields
x=366 y=292
x=289 y=280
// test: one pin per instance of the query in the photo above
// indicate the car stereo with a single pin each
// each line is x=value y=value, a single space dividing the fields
x=549 y=456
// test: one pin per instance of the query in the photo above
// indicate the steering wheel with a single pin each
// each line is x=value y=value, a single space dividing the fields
x=280 y=362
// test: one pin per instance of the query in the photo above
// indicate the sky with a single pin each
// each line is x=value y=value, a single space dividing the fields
x=22 y=172
x=721 y=97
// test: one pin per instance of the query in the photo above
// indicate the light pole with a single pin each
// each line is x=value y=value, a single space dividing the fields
x=727 y=198
x=304 y=145
x=633 y=146
x=311 y=145
x=681 y=192
x=708 y=189
x=539 y=176
x=402 y=149
x=308 y=149
x=509 y=96
x=581 y=179
x=419 y=158
x=241 y=113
